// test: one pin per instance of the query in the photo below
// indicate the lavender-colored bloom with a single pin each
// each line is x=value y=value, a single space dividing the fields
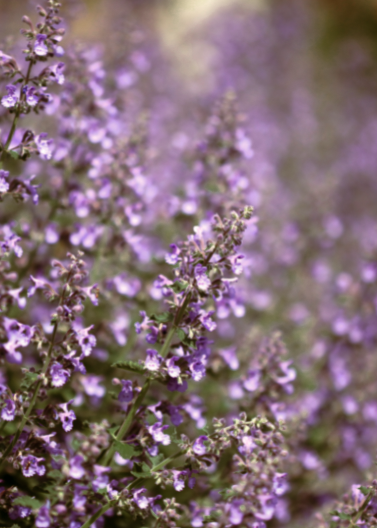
x=248 y=445
x=56 y=72
x=251 y=383
x=230 y=357
x=157 y=432
x=19 y=512
x=280 y=485
x=59 y=375
x=32 y=465
x=9 y=411
x=153 y=360
x=44 y=146
x=235 y=513
x=175 y=415
x=207 y=322
x=15 y=294
x=86 y=341
x=289 y=374
x=31 y=95
x=198 y=446
x=237 y=267
x=201 y=278
x=151 y=338
x=140 y=499
x=92 y=387
x=10 y=100
x=198 y=370
x=4 y=185
x=173 y=369
x=267 y=505
x=66 y=417
x=179 y=480
x=43 y=518
x=76 y=471
x=40 y=47
x=173 y=257
x=126 y=394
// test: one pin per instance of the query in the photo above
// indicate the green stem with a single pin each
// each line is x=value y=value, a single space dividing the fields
x=125 y=427
x=100 y=512
x=33 y=400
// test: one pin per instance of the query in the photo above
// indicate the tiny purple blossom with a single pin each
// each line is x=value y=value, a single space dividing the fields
x=86 y=340
x=40 y=47
x=153 y=360
x=174 y=385
x=59 y=375
x=173 y=369
x=44 y=146
x=76 y=471
x=43 y=519
x=198 y=446
x=173 y=257
x=31 y=466
x=140 y=499
x=31 y=95
x=156 y=431
x=205 y=319
x=202 y=280
x=67 y=417
x=126 y=394
x=4 y=185
x=251 y=383
x=289 y=373
x=8 y=412
x=56 y=72
x=10 y=100
x=197 y=370
x=179 y=480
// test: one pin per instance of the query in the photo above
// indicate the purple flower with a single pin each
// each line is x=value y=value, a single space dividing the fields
x=248 y=445
x=44 y=146
x=175 y=415
x=43 y=518
x=267 y=505
x=4 y=185
x=173 y=369
x=76 y=471
x=205 y=319
x=179 y=480
x=201 y=278
x=8 y=412
x=92 y=387
x=86 y=340
x=126 y=394
x=66 y=417
x=40 y=47
x=173 y=257
x=31 y=95
x=289 y=374
x=32 y=465
x=157 y=432
x=230 y=357
x=198 y=370
x=140 y=499
x=235 y=513
x=56 y=72
x=153 y=360
x=10 y=100
x=59 y=375
x=252 y=380
x=198 y=446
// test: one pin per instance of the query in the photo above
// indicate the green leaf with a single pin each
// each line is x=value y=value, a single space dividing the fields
x=163 y=317
x=29 y=379
x=54 y=474
x=180 y=334
x=156 y=459
x=28 y=502
x=364 y=490
x=13 y=154
x=144 y=473
x=179 y=286
x=125 y=450
x=129 y=365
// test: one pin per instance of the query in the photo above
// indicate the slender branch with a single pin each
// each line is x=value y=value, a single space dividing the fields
x=34 y=398
x=100 y=512
x=362 y=508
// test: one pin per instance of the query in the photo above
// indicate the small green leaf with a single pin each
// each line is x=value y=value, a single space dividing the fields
x=163 y=317
x=28 y=502
x=364 y=490
x=132 y=366
x=29 y=379
x=54 y=474
x=179 y=286
x=180 y=334
x=13 y=154
x=144 y=473
x=125 y=450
